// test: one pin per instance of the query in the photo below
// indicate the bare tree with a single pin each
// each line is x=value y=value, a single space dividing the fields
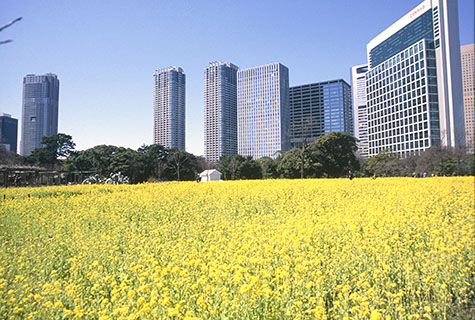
x=176 y=160
x=6 y=26
x=233 y=166
x=161 y=166
x=304 y=140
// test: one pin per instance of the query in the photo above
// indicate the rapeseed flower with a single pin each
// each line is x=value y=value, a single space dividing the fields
x=394 y=248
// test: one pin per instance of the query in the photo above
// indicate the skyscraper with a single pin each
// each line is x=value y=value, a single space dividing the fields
x=220 y=110
x=263 y=110
x=360 y=114
x=40 y=110
x=169 y=107
x=319 y=108
x=468 y=82
x=414 y=88
x=8 y=132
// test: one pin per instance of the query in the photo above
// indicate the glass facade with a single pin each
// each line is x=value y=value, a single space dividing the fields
x=420 y=28
x=319 y=108
x=8 y=132
x=220 y=110
x=263 y=110
x=403 y=109
x=337 y=107
x=414 y=84
x=169 y=108
x=40 y=110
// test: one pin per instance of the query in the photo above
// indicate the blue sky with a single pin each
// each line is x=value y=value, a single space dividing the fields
x=105 y=52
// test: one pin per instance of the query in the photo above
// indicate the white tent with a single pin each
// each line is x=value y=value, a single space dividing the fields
x=210 y=175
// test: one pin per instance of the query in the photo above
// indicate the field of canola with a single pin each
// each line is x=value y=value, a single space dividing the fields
x=395 y=248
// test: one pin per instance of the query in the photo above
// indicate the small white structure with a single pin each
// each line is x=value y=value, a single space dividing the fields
x=210 y=175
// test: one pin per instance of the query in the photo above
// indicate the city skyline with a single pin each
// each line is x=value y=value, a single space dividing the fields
x=95 y=101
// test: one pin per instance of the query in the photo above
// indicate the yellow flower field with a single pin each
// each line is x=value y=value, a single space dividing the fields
x=395 y=248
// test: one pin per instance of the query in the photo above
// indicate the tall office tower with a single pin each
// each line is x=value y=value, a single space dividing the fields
x=8 y=132
x=40 y=110
x=468 y=80
x=169 y=107
x=360 y=114
x=263 y=110
x=414 y=82
x=220 y=110
x=319 y=108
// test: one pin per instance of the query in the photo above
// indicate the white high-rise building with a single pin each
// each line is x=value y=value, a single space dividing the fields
x=468 y=81
x=263 y=110
x=220 y=110
x=360 y=114
x=169 y=107
x=414 y=82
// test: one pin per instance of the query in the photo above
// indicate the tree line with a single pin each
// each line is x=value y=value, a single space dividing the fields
x=330 y=156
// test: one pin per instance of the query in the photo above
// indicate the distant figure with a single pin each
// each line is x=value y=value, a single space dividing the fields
x=373 y=177
x=350 y=175
x=198 y=178
x=414 y=174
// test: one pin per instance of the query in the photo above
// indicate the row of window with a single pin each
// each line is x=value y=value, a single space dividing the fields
x=404 y=55
x=402 y=149
x=398 y=99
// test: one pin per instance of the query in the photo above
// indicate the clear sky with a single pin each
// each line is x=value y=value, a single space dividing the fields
x=105 y=52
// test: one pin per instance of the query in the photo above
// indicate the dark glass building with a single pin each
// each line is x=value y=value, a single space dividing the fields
x=8 y=132
x=319 y=108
